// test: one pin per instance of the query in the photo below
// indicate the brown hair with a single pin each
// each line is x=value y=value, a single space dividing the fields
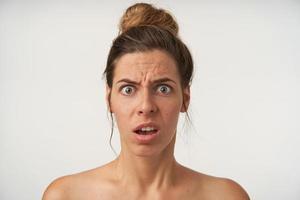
x=145 y=28
x=145 y=14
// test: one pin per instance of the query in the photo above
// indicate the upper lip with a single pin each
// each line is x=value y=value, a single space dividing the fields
x=149 y=124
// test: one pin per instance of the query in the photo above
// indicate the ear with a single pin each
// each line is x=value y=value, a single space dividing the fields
x=107 y=98
x=186 y=99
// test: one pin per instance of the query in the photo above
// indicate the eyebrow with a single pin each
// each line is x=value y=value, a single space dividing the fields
x=161 y=80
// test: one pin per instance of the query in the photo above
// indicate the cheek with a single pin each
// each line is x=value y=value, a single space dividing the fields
x=170 y=111
x=117 y=103
x=122 y=110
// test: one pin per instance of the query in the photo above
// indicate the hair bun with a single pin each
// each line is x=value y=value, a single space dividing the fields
x=143 y=14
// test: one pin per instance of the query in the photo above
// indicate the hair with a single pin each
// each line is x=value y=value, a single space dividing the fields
x=145 y=28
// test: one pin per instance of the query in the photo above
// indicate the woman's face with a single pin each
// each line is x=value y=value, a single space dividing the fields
x=146 y=99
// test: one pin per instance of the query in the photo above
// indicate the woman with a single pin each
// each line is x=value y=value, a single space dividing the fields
x=148 y=74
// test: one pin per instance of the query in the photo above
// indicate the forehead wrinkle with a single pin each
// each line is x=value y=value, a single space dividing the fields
x=143 y=67
x=145 y=74
x=154 y=69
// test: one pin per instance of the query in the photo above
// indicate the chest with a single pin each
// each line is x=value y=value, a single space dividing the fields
x=122 y=194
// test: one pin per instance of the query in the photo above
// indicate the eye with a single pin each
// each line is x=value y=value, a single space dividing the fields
x=127 y=90
x=164 y=89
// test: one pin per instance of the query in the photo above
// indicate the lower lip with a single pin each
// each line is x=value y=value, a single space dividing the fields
x=146 y=138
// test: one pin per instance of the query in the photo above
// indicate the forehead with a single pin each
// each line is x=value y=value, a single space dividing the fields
x=146 y=64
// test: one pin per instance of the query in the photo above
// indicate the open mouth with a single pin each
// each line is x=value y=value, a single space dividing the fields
x=146 y=131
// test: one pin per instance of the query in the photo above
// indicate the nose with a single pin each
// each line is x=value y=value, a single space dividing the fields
x=147 y=105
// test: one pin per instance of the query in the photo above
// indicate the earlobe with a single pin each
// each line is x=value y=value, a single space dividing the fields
x=186 y=99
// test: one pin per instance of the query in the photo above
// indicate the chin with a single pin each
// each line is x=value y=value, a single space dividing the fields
x=145 y=151
x=153 y=150
x=164 y=147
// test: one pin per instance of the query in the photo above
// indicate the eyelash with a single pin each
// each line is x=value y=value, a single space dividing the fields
x=134 y=88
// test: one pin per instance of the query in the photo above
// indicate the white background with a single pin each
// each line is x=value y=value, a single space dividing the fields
x=245 y=95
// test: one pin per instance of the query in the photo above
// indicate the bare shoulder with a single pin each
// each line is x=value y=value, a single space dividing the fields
x=211 y=187
x=229 y=189
x=78 y=185
x=58 y=189
x=224 y=188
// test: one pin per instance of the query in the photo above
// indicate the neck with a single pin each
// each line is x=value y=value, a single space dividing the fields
x=147 y=172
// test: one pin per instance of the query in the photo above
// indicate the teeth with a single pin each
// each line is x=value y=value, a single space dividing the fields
x=147 y=129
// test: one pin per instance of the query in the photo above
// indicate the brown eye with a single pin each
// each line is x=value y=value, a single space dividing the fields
x=127 y=90
x=164 y=89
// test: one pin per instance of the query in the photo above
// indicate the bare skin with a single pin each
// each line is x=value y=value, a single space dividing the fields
x=149 y=85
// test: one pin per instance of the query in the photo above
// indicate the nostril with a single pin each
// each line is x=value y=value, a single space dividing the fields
x=145 y=111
